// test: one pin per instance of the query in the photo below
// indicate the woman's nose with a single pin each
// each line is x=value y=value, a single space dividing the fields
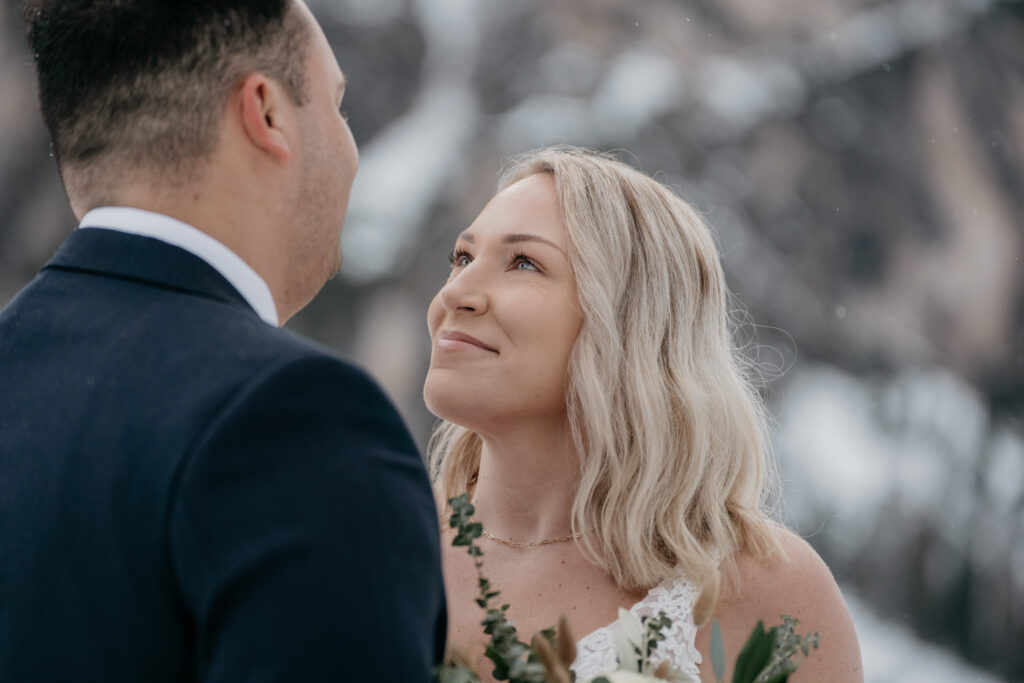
x=466 y=292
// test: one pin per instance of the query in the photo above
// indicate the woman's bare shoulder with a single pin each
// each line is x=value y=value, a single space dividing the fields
x=795 y=574
x=797 y=582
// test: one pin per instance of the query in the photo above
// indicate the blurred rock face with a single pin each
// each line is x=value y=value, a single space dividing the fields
x=860 y=163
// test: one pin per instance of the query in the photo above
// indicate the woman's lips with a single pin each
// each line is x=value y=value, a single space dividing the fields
x=450 y=340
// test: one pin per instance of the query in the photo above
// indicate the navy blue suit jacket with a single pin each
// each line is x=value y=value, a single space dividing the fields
x=190 y=494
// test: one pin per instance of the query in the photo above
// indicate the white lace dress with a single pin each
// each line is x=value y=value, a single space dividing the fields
x=676 y=598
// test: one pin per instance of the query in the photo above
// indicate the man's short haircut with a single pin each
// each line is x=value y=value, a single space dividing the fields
x=142 y=84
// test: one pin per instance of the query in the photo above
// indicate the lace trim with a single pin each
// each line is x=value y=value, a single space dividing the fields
x=676 y=597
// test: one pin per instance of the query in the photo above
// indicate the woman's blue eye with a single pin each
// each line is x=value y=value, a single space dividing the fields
x=523 y=263
x=459 y=258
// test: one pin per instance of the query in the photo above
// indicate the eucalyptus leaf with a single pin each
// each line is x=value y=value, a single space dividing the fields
x=455 y=674
x=500 y=665
x=754 y=655
x=717 y=651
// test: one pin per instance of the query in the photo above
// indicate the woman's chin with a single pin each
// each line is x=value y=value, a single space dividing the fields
x=459 y=407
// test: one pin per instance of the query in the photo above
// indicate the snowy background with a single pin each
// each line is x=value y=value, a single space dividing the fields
x=861 y=163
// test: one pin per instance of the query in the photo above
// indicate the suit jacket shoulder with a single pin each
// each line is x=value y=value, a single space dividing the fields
x=191 y=494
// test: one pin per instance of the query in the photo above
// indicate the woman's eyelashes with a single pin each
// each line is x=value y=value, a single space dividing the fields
x=460 y=258
x=520 y=259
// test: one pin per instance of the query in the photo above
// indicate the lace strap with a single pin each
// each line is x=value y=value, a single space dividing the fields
x=675 y=597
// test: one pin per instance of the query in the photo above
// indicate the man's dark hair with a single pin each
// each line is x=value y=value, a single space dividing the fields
x=144 y=82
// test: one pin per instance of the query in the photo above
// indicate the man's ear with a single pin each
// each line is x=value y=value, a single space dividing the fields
x=266 y=116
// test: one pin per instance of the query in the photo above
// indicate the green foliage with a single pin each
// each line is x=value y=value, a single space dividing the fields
x=717 y=650
x=513 y=660
x=754 y=655
x=767 y=656
x=785 y=651
x=453 y=673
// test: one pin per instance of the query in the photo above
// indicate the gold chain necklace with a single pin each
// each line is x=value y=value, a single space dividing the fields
x=534 y=544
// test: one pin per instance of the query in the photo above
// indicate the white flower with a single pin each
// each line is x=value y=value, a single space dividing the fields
x=629 y=640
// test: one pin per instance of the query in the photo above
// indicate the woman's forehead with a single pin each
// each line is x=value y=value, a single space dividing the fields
x=527 y=207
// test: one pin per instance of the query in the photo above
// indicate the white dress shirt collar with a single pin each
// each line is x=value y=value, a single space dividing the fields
x=172 y=231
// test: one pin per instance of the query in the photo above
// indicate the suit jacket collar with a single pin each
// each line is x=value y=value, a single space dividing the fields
x=143 y=259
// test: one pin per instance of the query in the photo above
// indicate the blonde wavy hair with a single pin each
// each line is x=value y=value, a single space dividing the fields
x=674 y=464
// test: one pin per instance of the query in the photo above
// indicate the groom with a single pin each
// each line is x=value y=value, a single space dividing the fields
x=188 y=492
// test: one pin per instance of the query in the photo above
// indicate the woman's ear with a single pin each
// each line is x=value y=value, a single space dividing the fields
x=265 y=109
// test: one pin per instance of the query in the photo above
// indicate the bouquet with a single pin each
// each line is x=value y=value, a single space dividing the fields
x=769 y=656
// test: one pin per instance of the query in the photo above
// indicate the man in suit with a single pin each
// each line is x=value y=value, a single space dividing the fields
x=188 y=492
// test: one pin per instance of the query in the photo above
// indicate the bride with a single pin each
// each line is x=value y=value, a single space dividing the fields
x=597 y=411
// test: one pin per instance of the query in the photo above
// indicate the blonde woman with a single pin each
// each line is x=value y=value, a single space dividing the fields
x=596 y=410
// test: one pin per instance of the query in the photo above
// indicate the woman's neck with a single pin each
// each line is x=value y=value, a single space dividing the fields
x=525 y=487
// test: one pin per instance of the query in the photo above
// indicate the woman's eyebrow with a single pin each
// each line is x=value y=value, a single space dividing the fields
x=515 y=238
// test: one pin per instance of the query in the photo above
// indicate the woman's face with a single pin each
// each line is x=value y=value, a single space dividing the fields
x=504 y=324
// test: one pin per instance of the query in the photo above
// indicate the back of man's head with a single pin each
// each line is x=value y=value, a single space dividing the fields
x=140 y=86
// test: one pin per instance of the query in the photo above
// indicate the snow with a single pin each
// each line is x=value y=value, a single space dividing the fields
x=744 y=92
x=871 y=461
x=915 y=439
x=831 y=452
x=543 y=120
x=637 y=87
x=640 y=85
x=893 y=654
x=1004 y=476
x=401 y=173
